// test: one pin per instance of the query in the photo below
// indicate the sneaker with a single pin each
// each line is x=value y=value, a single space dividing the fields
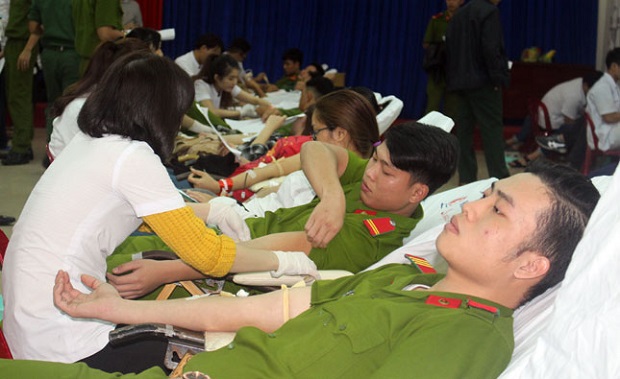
x=552 y=143
x=6 y=220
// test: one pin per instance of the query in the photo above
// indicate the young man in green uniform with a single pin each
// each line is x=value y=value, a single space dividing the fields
x=95 y=21
x=291 y=64
x=434 y=45
x=502 y=251
x=363 y=209
x=51 y=23
x=19 y=79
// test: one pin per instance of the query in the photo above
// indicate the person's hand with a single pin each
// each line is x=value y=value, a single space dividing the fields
x=264 y=111
x=201 y=179
x=96 y=304
x=325 y=221
x=294 y=263
x=200 y=197
x=248 y=111
x=223 y=214
x=137 y=278
x=23 y=61
x=274 y=122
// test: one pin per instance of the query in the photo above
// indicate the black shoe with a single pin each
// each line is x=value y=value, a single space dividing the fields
x=552 y=143
x=6 y=220
x=46 y=162
x=14 y=158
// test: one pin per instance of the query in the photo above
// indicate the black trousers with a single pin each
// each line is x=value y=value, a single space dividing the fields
x=133 y=357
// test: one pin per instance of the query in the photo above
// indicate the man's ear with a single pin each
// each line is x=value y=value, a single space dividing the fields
x=418 y=192
x=532 y=265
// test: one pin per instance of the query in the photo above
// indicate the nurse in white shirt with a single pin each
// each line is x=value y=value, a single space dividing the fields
x=216 y=87
x=107 y=182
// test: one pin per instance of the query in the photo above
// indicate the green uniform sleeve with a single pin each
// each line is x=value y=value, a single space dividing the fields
x=108 y=13
x=355 y=169
x=197 y=115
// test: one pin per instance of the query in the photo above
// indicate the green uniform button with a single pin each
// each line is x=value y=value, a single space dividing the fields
x=342 y=327
x=231 y=346
x=271 y=335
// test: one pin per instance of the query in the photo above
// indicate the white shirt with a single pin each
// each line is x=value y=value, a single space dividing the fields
x=564 y=100
x=206 y=91
x=188 y=63
x=604 y=98
x=85 y=204
x=65 y=126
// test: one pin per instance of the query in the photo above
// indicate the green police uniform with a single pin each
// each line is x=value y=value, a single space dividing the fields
x=436 y=88
x=88 y=15
x=19 y=83
x=365 y=326
x=60 y=60
x=354 y=248
x=287 y=83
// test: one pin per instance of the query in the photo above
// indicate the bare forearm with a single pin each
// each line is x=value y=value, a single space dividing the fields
x=273 y=170
x=323 y=165
x=213 y=313
x=611 y=118
x=108 y=33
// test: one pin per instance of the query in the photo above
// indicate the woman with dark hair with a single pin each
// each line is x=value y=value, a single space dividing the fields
x=127 y=128
x=216 y=87
x=68 y=106
x=150 y=36
x=342 y=118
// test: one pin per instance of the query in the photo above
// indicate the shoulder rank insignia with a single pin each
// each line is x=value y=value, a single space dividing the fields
x=378 y=226
x=365 y=212
x=438 y=15
x=445 y=302
x=484 y=307
x=421 y=263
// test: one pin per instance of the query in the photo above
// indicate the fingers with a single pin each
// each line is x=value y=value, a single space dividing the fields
x=90 y=281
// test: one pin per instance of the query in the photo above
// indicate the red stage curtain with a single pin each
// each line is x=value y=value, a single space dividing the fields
x=152 y=12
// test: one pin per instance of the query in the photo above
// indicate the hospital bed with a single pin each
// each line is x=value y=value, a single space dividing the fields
x=570 y=331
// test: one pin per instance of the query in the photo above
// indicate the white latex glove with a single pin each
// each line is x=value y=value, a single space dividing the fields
x=294 y=263
x=223 y=215
x=248 y=110
x=198 y=127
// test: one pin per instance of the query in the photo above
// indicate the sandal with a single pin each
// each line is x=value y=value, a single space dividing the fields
x=520 y=163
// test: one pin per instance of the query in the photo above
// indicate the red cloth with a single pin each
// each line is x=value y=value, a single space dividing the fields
x=284 y=147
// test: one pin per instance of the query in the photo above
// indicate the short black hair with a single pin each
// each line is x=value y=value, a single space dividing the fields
x=592 y=77
x=209 y=40
x=320 y=71
x=320 y=85
x=560 y=228
x=293 y=54
x=613 y=56
x=148 y=35
x=141 y=97
x=369 y=95
x=240 y=44
x=428 y=153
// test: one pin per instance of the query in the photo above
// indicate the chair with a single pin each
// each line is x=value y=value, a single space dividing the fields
x=538 y=128
x=5 y=352
x=593 y=151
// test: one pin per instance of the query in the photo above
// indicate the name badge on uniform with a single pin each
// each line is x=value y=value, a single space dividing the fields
x=378 y=226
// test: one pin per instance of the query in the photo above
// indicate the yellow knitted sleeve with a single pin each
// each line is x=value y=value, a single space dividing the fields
x=193 y=242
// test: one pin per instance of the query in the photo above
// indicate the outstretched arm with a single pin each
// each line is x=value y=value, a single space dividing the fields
x=323 y=165
x=211 y=313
